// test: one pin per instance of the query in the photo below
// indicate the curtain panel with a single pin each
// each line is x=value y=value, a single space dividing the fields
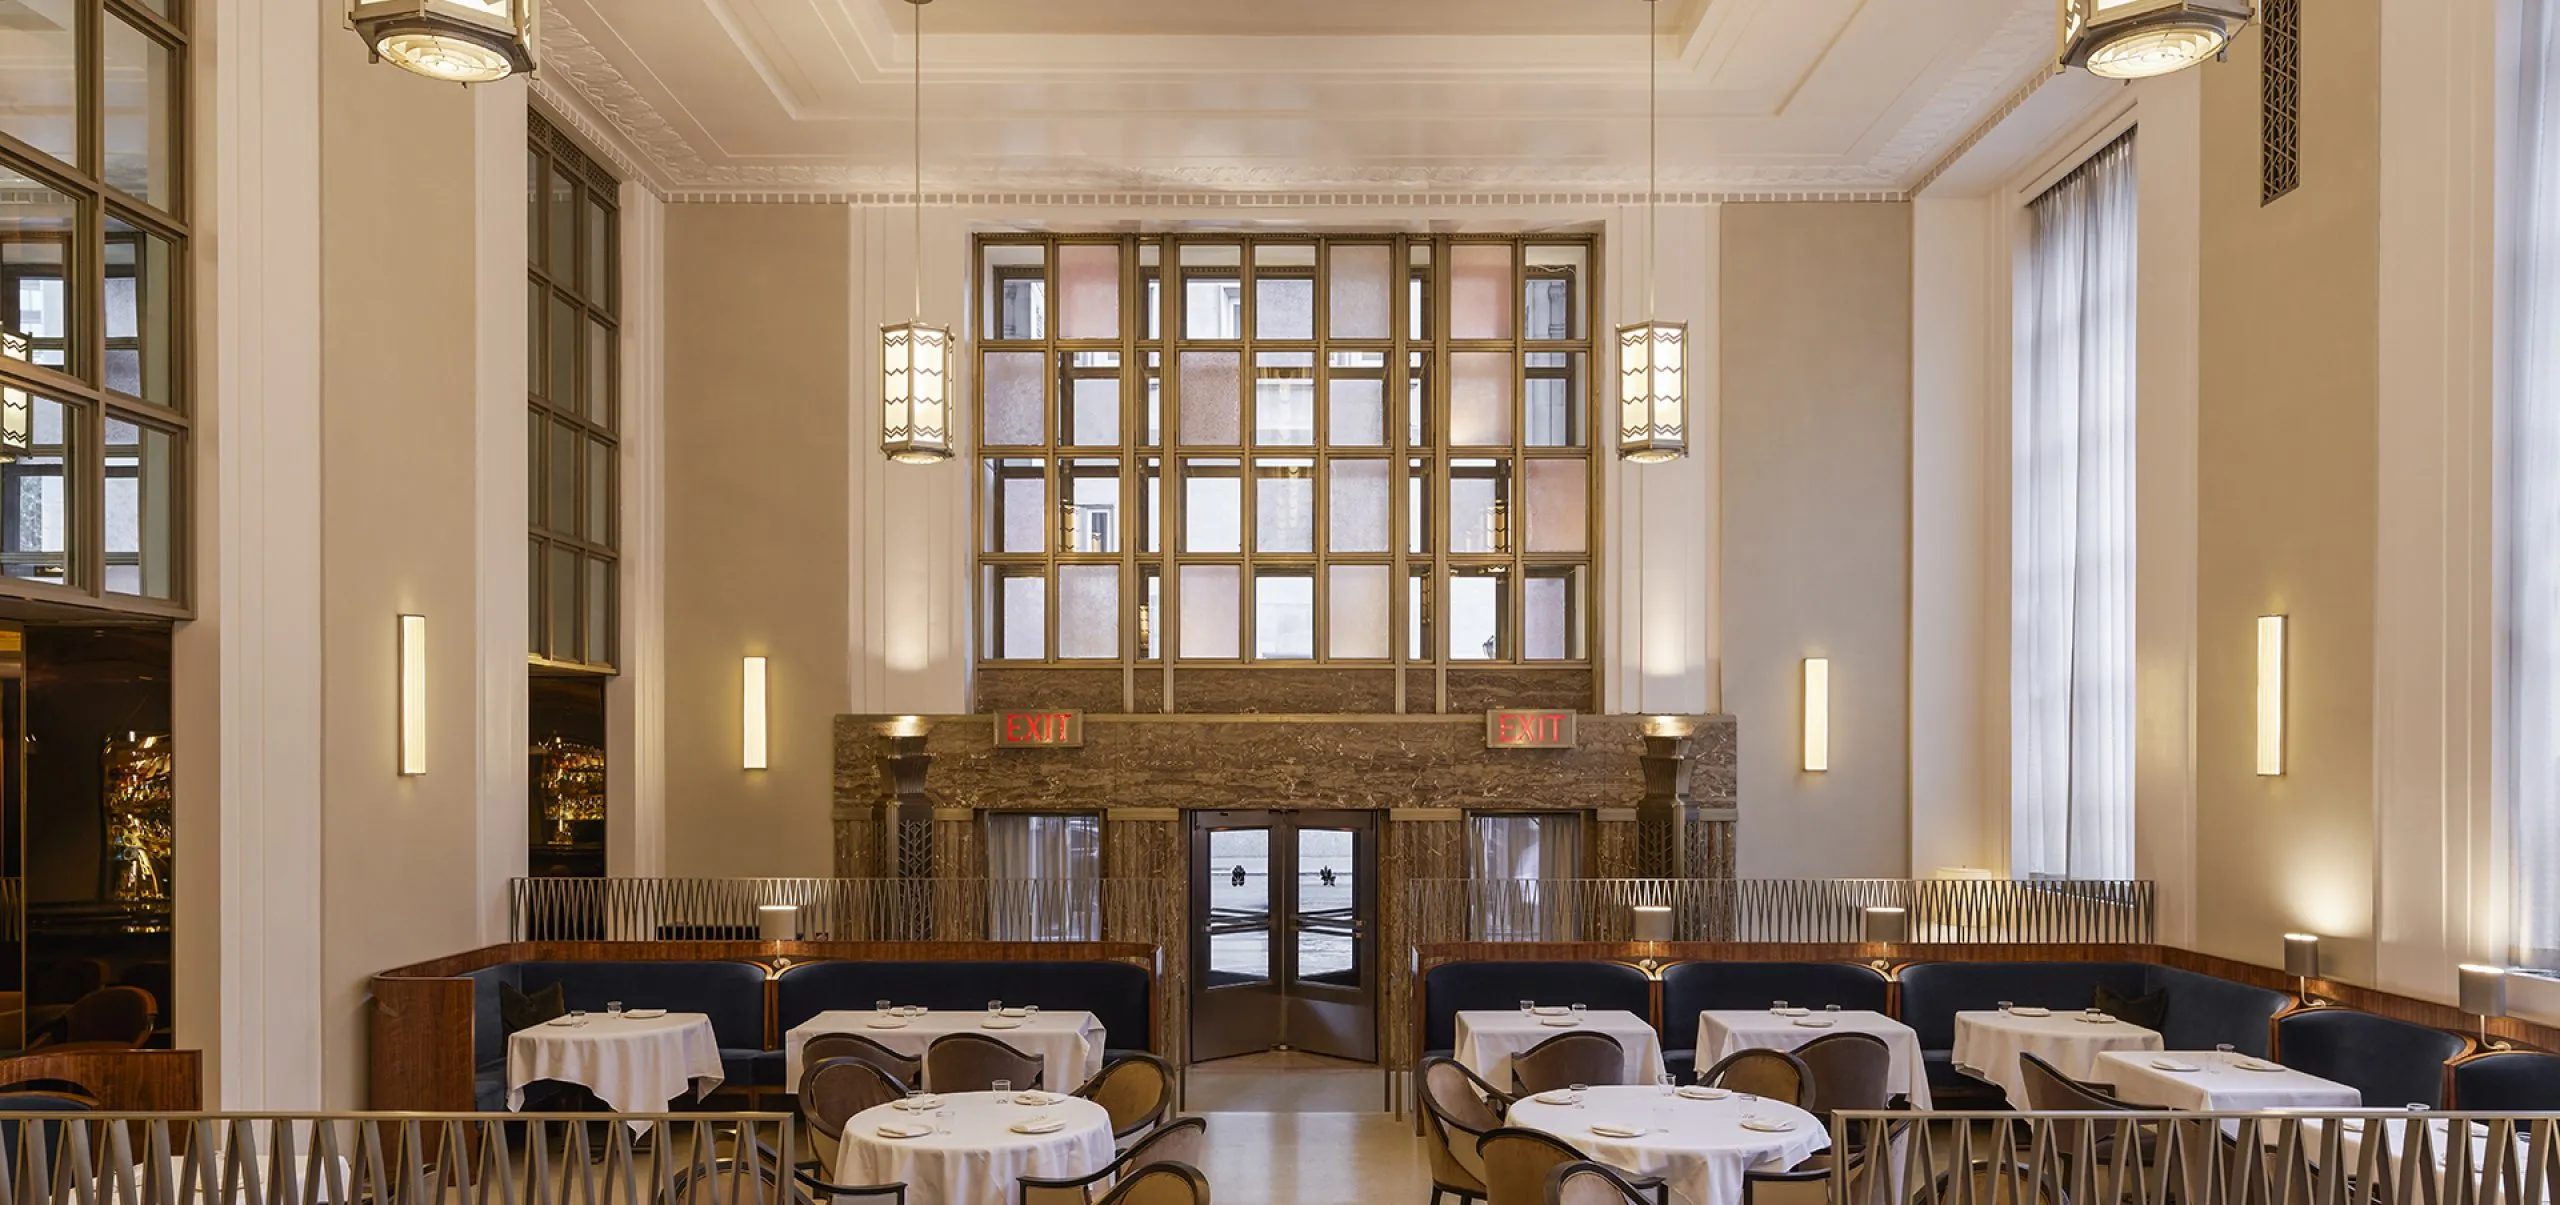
x=2531 y=526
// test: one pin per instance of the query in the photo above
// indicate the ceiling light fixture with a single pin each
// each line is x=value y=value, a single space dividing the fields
x=915 y=358
x=457 y=41
x=1653 y=383
x=2138 y=39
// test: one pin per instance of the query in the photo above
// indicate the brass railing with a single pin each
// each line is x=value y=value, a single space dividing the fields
x=1144 y=910
x=396 y=1159
x=1780 y=910
x=2311 y=1157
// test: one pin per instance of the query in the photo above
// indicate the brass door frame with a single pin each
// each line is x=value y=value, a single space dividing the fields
x=1280 y=1010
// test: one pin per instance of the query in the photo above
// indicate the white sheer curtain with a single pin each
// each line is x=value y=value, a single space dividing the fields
x=1045 y=872
x=2072 y=538
x=2532 y=523
x=1515 y=858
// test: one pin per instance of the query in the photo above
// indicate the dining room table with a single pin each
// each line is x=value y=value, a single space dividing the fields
x=1989 y=1041
x=972 y=1148
x=1488 y=1038
x=635 y=1062
x=1723 y=1032
x=2216 y=1081
x=1068 y=1042
x=1699 y=1141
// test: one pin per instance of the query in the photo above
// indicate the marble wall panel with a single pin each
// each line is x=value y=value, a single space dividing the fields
x=1284 y=691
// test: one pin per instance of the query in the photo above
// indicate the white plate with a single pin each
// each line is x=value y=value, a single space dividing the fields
x=1017 y=1012
x=1792 y=1012
x=1815 y=1022
x=2172 y=1065
x=1551 y=1010
x=1037 y=1100
x=2257 y=1065
x=884 y=1023
x=2100 y=1019
x=999 y=1023
x=564 y=1020
x=1768 y=1125
x=1610 y=1131
x=920 y=1104
x=645 y=1014
x=1038 y=1125
x=1558 y=1022
x=2031 y=1012
x=1561 y=1096
x=902 y=1129
x=1694 y=1092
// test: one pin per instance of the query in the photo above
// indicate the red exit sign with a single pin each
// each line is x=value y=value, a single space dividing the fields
x=1039 y=729
x=1528 y=730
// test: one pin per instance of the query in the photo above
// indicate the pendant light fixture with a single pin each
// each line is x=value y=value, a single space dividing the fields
x=1653 y=379
x=457 y=41
x=2138 y=39
x=915 y=357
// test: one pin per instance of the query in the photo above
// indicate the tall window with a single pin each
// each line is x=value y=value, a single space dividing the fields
x=2531 y=526
x=1312 y=451
x=2072 y=537
x=572 y=413
x=1044 y=872
x=94 y=411
x=1517 y=863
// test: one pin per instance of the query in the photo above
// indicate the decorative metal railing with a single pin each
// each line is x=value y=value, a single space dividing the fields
x=2312 y=1157
x=1145 y=910
x=1779 y=910
x=396 y=1159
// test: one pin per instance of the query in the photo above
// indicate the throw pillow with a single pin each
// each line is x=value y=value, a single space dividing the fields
x=520 y=1010
x=2146 y=1011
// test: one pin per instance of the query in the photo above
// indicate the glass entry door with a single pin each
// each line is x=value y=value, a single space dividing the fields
x=1283 y=948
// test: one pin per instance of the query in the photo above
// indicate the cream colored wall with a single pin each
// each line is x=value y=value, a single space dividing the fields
x=1816 y=477
x=2286 y=470
x=759 y=415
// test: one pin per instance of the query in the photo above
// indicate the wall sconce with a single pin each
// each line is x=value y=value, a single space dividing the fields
x=1817 y=714
x=1653 y=922
x=2270 y=695
x=2484 y=995
x=753 y=711
x=2302 y=961
x=1888 y=926
x=413 y=695
x=778 y=922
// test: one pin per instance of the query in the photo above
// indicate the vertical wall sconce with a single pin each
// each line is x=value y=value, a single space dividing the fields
x=2302 y=961
x=752 y=708
x=413 y=695
x=2271 y=695
x=1817 y=714
x=2483 y=992
x=1887 y=926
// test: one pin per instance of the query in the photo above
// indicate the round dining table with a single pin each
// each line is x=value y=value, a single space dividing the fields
x=973 y=1149
x=635 y=1062
x=1700 y=1147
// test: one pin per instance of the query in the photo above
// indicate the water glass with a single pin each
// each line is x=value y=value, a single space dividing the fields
x=2225 y=1049
x=883 y=1007
x=1777 y=1006
x=613 y=1008
x=1003 y=1087
x=577 y=1016
x=2092 y=1013
x=1832 y=1009
x=915 y=1099
x=1577 y=1012
x=2006 y=1005
x=1030 y=1012
x=1670 y=1083
x=1579 y=1092
x=995 y=1008
x=1528 y=1007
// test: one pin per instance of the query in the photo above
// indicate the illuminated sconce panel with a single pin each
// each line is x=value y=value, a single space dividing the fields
x=2271 y=695
x=1817 y=714
x=752 y=708
x=413 y=694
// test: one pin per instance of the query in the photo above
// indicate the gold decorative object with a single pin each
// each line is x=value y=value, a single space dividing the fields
x=141 y=826
x=572 y=784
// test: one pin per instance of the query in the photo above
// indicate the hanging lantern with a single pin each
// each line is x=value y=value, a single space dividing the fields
x=1653 y=391
x=457 y=41
x=17 y=410
x=915 y=389
x=2138 y=39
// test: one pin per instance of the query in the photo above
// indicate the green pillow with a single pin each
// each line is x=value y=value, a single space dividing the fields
x=518 y=1010
x=2149 y=1012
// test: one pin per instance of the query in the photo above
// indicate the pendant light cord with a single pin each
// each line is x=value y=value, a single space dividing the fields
x=916 y=198
x=1653 y=143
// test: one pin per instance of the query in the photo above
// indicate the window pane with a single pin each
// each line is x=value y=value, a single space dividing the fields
x=37 y=230
x=1418 y=315
x=564 y=228
x=1212 y=292
x=1480 y=304
x=1150 y=504
x=599 y=491
x=1089 y=611
x=599 y=375
x=1209 y=401
x=39 y=435
x=1093 y=492
x=1284 y=506
x=1360 y=517
x=1559 y=505
x=600 y=257
x=562 y=595
x=1014 y=400
x=1017 y=506
x=1479 y=398
x=1089 y=398
x=1554 y=402
x=1150 y=292
x=1417 y=506
x=1284 y=615
x=1479 y=506
x=1551 y=625
x=564 y=356
x=1552 y=294
x=1284 y=399
x=1356 y=399
x=599 y=610
x=1052 y=868
x=1239 y=907
x=1284 y=291
x=38 y=91
x=1150 y=606
x=563 y=479
x=1329 y=932
x=141 y=115
x=1088 y=291
x=1212 y=507
x=1153 y=375
x=1017 y=291
x=141 y=507
x=1361 y=291
x=1417 y=615
x=1017 y=614
x=1475 y=615
x=141 y=288
x=1417 y=400
x=1357 y=611
x=1210 y=611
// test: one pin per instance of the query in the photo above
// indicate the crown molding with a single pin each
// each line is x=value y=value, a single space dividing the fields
x=1313 y=199
x=566 y=107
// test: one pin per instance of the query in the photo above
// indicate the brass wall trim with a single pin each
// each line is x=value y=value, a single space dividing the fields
x=1719 y=813
x=1616 y=815
x=944 y=813
x=1126 y=815
x=1441 y=815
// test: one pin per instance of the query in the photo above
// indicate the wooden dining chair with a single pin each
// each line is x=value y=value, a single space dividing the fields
x=1770 y=1074
x=1581 y=1057
x=1136 y=1091
x=973 y=1062
x=832 y=1092
x=905 y=1069
x=1457 y=1109
x=1183 y=1141
x=1587 y=1183
x=1518 y=1163
x=1849 y=1071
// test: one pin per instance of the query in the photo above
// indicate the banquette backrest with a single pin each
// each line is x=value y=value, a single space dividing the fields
x=2206 y=1012
x=1690 y=988
x=2391 y=1062
x=1934 y=992
x=1115 y=992
x=730 y=993
x=1453 y=986
x=2507 y=1081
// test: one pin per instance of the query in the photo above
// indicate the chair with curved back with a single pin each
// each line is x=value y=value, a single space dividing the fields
x=48 y=1132
x=1136 y=1090
x=1588 y=1183
x=1850 y=1071
x=1771 y=1074
x=1518 y=1162
x=832 y=1092
x=109 y=1018
x=722 y=1175
x=1457 y=1108
x=973 y=1062
x=1183 y=1141
x=1581 y=1057
x=2050 y=1091
x=903 y=1069
x=1162 y=1184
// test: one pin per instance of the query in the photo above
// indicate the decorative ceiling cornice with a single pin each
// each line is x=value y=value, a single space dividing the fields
x=1318 y=199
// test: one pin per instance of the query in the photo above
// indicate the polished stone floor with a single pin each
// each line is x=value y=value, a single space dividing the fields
x=1298 y=1129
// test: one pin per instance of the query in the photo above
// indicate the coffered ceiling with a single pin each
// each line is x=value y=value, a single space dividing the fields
x=763 y=96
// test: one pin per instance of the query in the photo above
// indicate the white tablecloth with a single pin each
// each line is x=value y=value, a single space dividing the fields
x=980 y=1158
x=2218 y=1084
x=636 y=1066
x=1068 y=1042
x=1701 y=1148
x=1989 y=1042
x=1721 y=1032
x=1488 y=1038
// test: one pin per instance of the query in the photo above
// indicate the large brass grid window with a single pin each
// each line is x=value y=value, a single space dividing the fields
x=94 y=308
x=1284 y=450
x=572 y=411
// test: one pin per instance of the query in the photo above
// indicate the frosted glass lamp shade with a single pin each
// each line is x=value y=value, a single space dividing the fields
x=2484 y=990
x=456 y=41
x=2138 y=39
x=2302 y=955
x=1653 y=391
x=915 y=392
x=1888 y=925
x=778 y=922
x=1653 y=923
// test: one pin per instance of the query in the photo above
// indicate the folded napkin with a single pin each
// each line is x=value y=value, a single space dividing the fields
x=999 y=1023
x=1036 y=1099
x=1017 y=1012
x=1617 y=1131
x=1560 y=1096
x=1769 y=1125
x=1558 y=1022
x=2257 y=1065
x=645 y=1014
x=1791 y=1012
x=2099 y=1019
x=884 y=1023
x=918 y=1104
x=2031 y=1012
x=904 y=1129
x=1039 y=1125
x=2172 y=1065
x=1551 y=1010
x=1696 y=1092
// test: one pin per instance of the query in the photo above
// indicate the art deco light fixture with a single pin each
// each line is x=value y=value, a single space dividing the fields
x=915 y=358
x=751 y=715
x=1653 y=355
x=1817 y=715
x=2138 y=39
x=413 y=695
x=457 y=41
x=2271 y=657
